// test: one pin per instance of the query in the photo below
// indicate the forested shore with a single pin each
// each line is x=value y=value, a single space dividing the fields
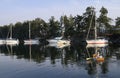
x=71 y=25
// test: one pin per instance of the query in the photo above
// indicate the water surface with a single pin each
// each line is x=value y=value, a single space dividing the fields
x=35 y=61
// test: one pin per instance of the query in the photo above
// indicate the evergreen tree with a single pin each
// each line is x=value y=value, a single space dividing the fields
x=117 y=22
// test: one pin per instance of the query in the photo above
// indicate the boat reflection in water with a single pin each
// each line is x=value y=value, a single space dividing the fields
x=96 y=59
x=44 y=62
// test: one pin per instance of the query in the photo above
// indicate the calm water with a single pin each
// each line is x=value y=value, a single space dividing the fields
x=49 y=62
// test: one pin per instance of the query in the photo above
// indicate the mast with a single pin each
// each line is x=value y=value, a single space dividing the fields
x=62 y=26
x=29 y=31
x=95 y=26
x=92 y=12
x=11 y=31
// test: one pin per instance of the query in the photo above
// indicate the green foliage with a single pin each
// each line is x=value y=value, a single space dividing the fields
x=117 y=23
x=116 y=29
x=53 y=27
x=103 y=19
x=103 y=11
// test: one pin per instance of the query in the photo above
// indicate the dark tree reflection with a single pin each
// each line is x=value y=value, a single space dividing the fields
x=71 y=55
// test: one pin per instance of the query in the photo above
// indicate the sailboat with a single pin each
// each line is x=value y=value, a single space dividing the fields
x=10 y=40
x=59 y=41
x=97 y=40
x=30 y=41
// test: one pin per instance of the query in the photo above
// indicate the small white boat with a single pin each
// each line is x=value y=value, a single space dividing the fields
x=58 y=45
x=58 y=40
x=31 y=42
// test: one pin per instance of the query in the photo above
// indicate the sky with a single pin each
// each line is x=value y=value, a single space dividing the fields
x=12 y=11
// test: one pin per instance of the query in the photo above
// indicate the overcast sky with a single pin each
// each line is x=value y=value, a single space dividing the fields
x=12 y=11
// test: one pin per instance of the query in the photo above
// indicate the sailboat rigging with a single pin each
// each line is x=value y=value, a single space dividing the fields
x=11 y=40
x=96 y=40
x=30 y=41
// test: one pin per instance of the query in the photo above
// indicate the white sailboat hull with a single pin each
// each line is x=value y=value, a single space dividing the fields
x=96 y=45
x=97 y=41
x=63 y=42
x=31 y=41
x=58 y=42
x=11 y=41
x=2 y=42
